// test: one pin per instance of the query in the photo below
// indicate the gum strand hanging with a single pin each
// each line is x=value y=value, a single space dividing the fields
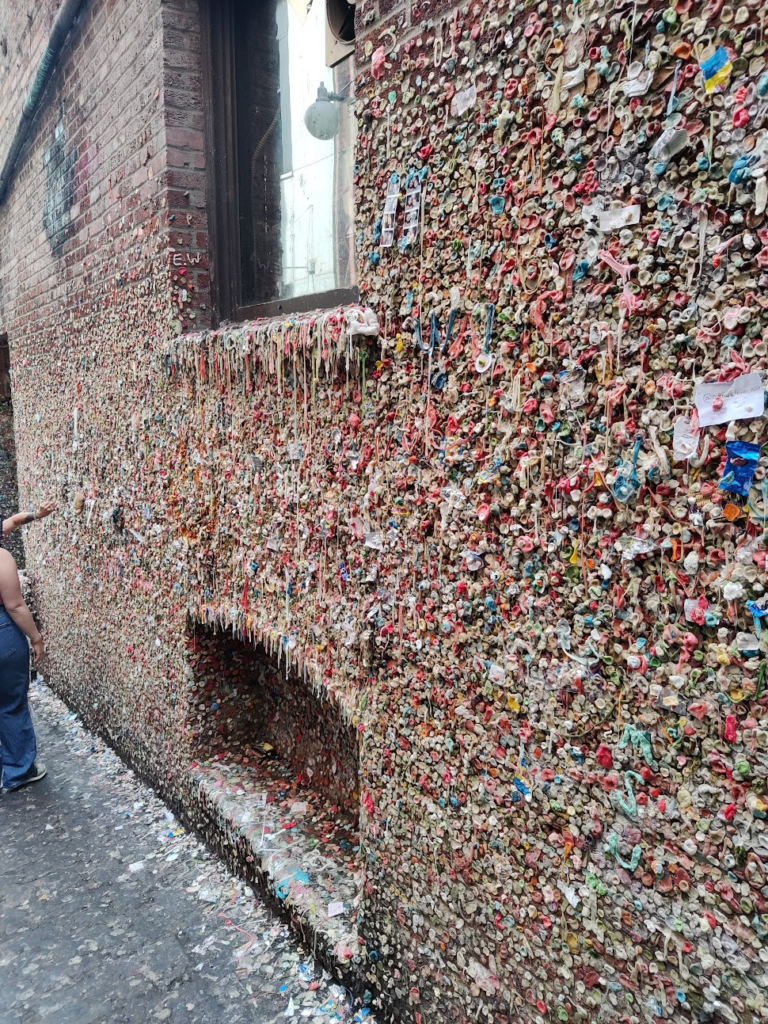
x=625 y=488
x=435 y=332
x=419 y=337
x=761 y=514
x=485 y=360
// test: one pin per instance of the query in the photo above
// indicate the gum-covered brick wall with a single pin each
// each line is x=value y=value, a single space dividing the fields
x=518 y=538
x=563 y=455
x=9 y=497
x=108 y=191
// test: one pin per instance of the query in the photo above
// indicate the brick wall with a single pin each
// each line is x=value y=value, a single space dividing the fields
x=86 y=232
x=24 y=32
x=184 y=173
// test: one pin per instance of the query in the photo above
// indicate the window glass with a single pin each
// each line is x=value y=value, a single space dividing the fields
x=295 y=191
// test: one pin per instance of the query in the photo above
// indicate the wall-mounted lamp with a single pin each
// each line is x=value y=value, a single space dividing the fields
x=323 y=117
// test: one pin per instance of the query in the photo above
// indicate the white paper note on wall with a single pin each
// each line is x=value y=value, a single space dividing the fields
x=739 y=399
x=624 y=217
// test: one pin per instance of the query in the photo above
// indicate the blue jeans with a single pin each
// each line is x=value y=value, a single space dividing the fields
x=18 y=747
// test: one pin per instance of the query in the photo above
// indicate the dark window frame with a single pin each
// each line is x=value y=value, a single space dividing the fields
x=223 y=205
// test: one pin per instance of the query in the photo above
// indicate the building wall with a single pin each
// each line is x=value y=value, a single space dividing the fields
x=532 y=611
x=24 y=32
x=9 y=494
x=570 y=816
x=9 y=491
x=108 y=189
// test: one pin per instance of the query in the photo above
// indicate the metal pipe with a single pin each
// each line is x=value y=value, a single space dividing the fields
x=59 y=32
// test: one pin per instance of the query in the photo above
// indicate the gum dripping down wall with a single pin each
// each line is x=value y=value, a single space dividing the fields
x=553 y=670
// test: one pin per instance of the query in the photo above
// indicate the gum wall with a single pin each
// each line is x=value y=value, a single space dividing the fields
x=520 y=536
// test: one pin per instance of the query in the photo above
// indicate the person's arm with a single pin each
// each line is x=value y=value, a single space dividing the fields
x=22 y=518
x=10 y=595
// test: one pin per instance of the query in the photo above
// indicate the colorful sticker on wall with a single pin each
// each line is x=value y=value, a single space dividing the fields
x=716 y=69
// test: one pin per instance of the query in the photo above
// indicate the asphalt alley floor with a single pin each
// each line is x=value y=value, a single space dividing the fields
x=110 y=913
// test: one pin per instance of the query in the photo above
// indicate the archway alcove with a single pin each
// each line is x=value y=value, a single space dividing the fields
x=275 y=773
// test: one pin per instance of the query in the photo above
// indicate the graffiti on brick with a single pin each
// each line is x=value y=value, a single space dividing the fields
x=59 y=189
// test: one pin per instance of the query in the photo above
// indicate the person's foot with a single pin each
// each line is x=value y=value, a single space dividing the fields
x=37 y=772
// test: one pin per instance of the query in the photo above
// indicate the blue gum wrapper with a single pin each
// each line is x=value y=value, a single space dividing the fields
x=740 y=466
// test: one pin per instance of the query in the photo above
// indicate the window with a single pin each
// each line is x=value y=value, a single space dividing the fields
x=282 y=217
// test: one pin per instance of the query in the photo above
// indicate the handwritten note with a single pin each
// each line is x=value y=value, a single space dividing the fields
x=739 y=399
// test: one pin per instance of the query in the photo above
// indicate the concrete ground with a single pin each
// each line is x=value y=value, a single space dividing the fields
x=110 y=913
